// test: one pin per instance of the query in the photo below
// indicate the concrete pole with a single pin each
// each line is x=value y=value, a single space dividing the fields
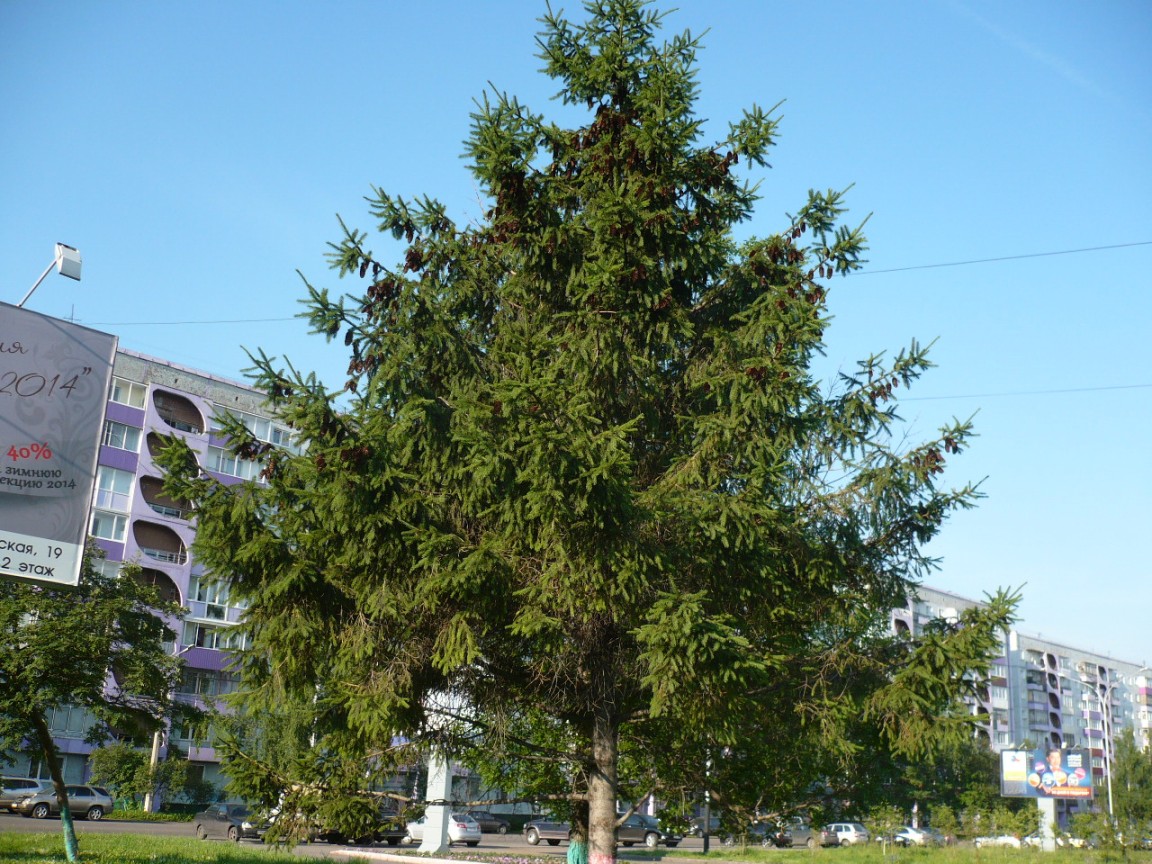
x=439 y=791
x=1047 y=823
x=153 y=761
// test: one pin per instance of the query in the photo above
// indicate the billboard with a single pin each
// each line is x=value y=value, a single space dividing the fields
x=54 y=378
x=1053 y=773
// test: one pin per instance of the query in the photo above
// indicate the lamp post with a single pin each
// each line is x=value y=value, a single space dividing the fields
x=1093 y=683
x=67 y=263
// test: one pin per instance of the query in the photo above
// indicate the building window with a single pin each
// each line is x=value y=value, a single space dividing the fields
x=211 y=636
x=200 y=682
x=223 y=462
x=129 y=393
x=70 y=721
x=262 y=428
x=121 y=437
x=109 y=526
x=113 y=489
x=209 y=599
x=999 y=694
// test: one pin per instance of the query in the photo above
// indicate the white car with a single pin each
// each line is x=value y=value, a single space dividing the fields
x=909 y=836
x=462 y=828
x=1007 y=840
x=849 y=833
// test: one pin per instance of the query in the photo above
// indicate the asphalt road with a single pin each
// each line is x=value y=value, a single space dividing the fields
x=492 y=843
x=510 y=844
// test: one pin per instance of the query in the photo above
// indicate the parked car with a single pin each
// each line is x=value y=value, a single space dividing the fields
x=12 y=789
x=754 y=834
x=828 y=837
x=90 y=802
x=490 y=823
x=228 y=821
x=909 y=836
x=552 y=831
x=696 y=826
x=462 y=828
x=1006 y=840
x=849 y=833
x=799 y=833
x=389 y=828
x=641 y=828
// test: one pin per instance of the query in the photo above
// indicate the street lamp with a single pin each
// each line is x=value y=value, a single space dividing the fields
x=67 y=263
x=1092 y=682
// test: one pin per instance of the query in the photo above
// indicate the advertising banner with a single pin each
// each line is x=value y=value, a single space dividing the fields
x=1053 y=773
x=54 y=379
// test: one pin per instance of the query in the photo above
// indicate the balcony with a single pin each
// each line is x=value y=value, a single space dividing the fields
x=152 y=490
x=178 y=412
x=159 y=542
x=199 y=609
x=163 y=584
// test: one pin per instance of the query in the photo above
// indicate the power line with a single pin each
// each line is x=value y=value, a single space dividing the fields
x=1002 y=258
x=1029 y=392
x=858 y=273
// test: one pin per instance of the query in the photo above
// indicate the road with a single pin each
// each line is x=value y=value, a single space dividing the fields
x=492 y=843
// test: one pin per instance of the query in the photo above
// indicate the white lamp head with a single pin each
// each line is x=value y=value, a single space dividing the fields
x=68 y=261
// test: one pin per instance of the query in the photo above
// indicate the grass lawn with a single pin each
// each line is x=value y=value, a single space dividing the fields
x=132 y=849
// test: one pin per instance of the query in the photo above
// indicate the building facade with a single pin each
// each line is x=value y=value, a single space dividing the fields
x=1041 y=693
x=133 y=521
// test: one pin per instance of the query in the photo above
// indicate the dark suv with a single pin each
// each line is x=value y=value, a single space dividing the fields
x=640 y=828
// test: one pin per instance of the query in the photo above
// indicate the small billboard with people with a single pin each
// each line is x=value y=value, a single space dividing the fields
x=1051 y=773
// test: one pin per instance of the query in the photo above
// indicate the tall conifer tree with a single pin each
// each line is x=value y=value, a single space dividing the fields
x=583 y=479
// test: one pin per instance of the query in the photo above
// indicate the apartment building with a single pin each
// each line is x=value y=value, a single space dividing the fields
x=1041 y=693
x=132 y=520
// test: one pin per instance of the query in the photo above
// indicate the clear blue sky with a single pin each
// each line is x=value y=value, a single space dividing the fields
x=197 y=153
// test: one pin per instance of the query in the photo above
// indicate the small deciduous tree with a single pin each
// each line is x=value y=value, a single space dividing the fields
x=585 y=494
x=99 y=647
x=126 y=771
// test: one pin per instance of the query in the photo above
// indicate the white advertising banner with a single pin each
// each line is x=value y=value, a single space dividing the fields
x=54 y=379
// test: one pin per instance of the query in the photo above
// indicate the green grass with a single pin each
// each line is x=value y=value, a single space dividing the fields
x=48 y=848
x=132 y=849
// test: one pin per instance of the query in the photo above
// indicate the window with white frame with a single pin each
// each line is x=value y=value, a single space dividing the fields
x=198 y=635
x=129 y=392
x=209 y=598
x=262 y=428
x=109 y=526
x=113 y=489
x=223 y=462
x=121 y=437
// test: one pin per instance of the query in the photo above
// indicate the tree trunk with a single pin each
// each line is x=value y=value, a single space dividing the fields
x=48 y=748
x=602 y=789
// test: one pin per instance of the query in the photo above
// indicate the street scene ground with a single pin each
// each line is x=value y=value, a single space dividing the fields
x=110 y=842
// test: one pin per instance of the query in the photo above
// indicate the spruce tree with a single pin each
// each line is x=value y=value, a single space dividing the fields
x=581 y=484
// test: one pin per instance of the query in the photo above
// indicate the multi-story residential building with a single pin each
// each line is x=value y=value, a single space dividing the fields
x=1041 y=693
x=132 y=520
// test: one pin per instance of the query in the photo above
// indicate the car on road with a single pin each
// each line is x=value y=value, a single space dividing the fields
x=462 y=828
x=1009 y=841
x=228 y=821
x=909 y=836
x=89 y=802
x=754 y=834
x=799 y=833
x=12 y=789
x=642 y=828
x=551 y=831
x=849 y=833
x=696 y=826
x=490 y=823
